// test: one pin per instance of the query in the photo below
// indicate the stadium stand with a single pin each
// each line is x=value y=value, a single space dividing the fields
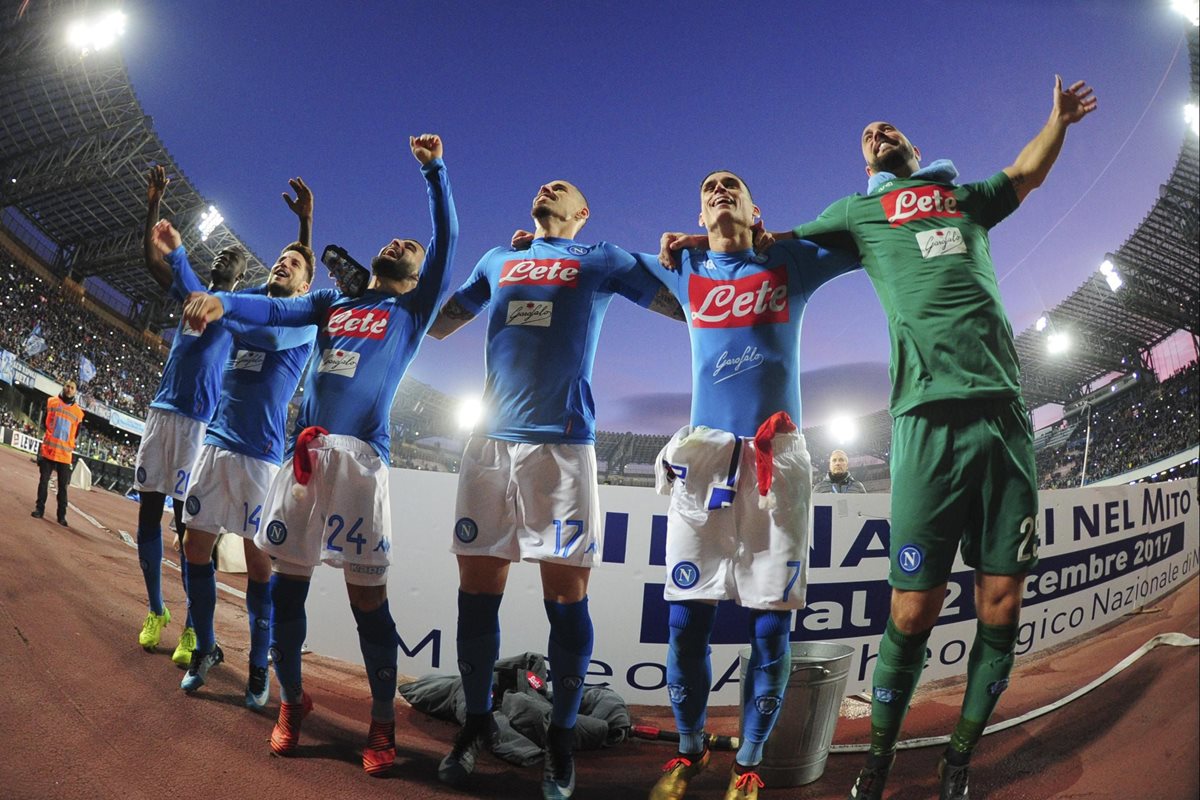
x=74 y=150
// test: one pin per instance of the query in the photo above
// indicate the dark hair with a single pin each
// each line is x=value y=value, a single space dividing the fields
x=731 y=172
x=310 y=259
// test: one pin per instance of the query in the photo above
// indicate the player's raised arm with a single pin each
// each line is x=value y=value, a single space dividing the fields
x=435 y=272
x=1036 y=158
x=302 y=207
x=155 y=188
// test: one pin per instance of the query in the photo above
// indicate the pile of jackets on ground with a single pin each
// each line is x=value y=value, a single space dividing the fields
x=521 y=700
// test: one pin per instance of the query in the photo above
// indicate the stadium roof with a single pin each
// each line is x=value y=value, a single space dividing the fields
x=1160 y=267
x=75 y=147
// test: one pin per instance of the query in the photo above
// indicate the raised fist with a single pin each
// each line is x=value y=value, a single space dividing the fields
x=426 y=147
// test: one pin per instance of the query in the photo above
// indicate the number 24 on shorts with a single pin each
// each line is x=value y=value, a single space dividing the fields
x=337 y=523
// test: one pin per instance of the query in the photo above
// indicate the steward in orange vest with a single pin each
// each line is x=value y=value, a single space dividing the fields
x=63 y=416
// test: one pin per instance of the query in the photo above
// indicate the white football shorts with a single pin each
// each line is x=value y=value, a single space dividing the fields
x=168 y=452
x=227 y=492
x=341 y=518
x=723 y=543
x=526 y=501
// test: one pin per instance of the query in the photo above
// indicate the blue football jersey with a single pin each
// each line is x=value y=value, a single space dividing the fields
x=364 y=344
x=545 y=308
x=258 y=380
x=744 y=313
x=191 y=378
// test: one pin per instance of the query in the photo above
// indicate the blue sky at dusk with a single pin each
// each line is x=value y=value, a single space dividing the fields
x=635 y=103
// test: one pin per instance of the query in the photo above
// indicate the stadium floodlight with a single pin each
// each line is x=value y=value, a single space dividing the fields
x=1110 y=275
x=1188 y=9
x=1041 y=324
x=843 y=429
x=1191 y=113
x=470 y=411
x=209 y=221
x=96 y=33
x=1058 y=342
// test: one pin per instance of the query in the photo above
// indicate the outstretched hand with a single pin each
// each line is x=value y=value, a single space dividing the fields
x=157 y=185
x=426 y=147
x=302 y=206
x=165 y=237
x=1073 y=104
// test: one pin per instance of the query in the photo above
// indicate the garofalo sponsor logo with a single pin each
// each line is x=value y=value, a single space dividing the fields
x=529 y=312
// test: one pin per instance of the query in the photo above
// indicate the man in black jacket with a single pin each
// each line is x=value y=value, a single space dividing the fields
x=839 y=480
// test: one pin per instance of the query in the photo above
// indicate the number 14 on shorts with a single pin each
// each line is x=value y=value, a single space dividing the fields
x=335 y=524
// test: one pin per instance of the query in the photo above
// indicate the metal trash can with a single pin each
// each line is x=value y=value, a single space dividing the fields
x=799 y=745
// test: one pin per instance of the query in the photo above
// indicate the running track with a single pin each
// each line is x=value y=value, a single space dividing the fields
x=86 y=713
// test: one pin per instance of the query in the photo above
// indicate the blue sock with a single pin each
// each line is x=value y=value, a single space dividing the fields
x=570 y=653
x=478 y=641
x=689 y=670
x=202 y=603
x=289 y=627
x=183 y=575
x=379 y=643
x=766 y=679
x=258 y=608
x=150 y=550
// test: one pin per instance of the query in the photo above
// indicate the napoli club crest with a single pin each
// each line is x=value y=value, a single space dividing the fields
x=465 y=530
x=192 y=505
x=577 y=250
x=910 y=558
x=685 y=575
x=276 y=532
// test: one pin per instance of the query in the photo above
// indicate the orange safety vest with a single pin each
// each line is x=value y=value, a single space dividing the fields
x=62 y=423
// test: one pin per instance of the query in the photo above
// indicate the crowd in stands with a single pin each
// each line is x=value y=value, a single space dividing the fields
x=102 y=447
x=1140 y=426
x=127 y=369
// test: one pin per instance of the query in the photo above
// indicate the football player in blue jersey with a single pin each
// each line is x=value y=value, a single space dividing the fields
x=739 y=476
x=176 y=421
x=527 y=485
x=242 y=452
x=329 y=504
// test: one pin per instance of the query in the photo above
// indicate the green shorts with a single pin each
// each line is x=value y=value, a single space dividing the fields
x=962 y=476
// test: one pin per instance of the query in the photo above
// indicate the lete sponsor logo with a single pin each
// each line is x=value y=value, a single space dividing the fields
x=941 y=242
x=360 y=323
x=905 y=205
x=540 y=272
x=758 y=299
x=530 y=312
x=339 y=362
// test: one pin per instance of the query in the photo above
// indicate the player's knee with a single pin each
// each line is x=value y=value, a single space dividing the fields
x=366 y=598
x=690 y=627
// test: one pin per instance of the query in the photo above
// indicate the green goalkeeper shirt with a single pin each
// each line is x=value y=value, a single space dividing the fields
x=924 y=245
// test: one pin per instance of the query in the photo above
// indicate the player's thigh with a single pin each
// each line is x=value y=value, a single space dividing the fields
x=930 y=499
x=771 y=566
x=699 y=553
x=557 y=503
x=484 y=508
x=1004 y=541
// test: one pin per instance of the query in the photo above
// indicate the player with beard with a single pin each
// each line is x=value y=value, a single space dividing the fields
x=330 y=503
x=527 y=485
x=242 y=451
x=962 y=466
x=176 y=421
